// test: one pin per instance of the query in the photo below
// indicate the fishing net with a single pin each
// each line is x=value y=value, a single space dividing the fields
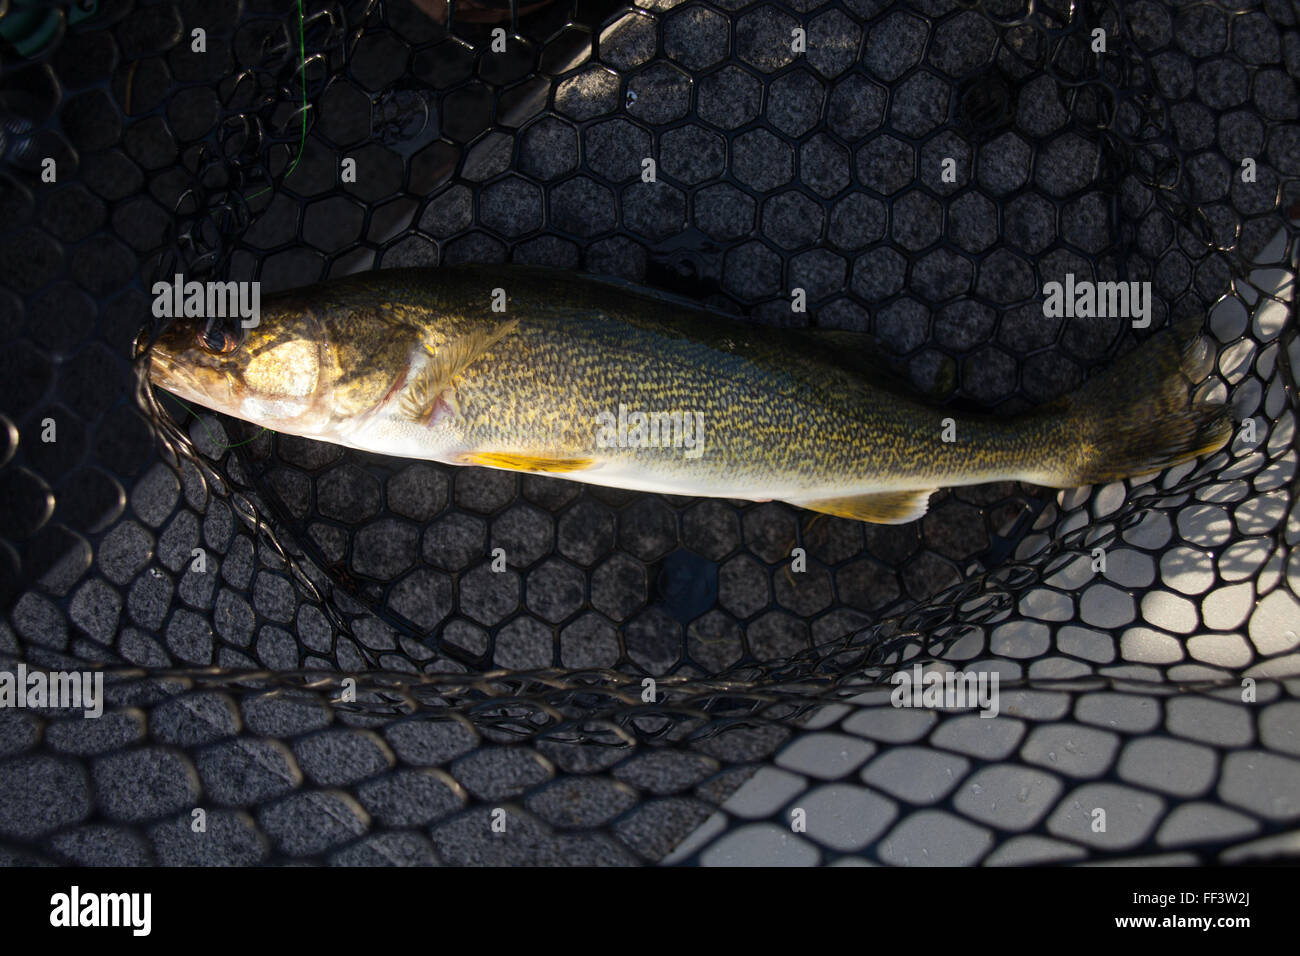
x=312 y=644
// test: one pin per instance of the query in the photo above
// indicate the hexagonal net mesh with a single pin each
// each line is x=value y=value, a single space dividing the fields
x=347 y=679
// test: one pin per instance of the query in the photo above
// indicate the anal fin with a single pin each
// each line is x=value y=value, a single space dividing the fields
x=881 y=507
x=512 y=462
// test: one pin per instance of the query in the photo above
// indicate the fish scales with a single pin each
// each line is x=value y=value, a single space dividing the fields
x=419 y=363
x=772 y=413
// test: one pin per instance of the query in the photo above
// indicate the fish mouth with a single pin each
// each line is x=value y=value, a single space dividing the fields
x=180 y=380
x=167 y=374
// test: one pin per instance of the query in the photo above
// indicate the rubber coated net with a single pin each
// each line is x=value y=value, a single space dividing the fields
x=347 y=679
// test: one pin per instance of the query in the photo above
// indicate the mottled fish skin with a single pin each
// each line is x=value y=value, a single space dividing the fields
x=785 y=415
x=781 y=415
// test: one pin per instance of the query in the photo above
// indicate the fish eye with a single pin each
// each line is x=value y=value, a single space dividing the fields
x=217 y=339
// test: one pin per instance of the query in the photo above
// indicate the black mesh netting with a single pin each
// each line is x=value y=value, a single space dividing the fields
x=347 y=680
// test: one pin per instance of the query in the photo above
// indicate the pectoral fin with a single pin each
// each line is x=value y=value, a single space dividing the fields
x=883 y=507
x=511 y=462
x=420 y=398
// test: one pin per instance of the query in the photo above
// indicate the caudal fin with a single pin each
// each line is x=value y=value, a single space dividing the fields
x=1140 y=415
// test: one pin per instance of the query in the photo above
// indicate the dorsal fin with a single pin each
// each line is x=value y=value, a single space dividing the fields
x=859 y=352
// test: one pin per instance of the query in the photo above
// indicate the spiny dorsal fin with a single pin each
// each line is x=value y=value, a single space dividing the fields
x=882 y=507
x=446 y=362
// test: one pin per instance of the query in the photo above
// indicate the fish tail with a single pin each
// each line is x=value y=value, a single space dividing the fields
x=1141 y=415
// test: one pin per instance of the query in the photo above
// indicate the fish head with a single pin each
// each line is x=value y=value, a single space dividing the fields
x=269 y=374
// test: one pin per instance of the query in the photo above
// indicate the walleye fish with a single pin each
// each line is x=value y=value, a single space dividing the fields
x=581 y=378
